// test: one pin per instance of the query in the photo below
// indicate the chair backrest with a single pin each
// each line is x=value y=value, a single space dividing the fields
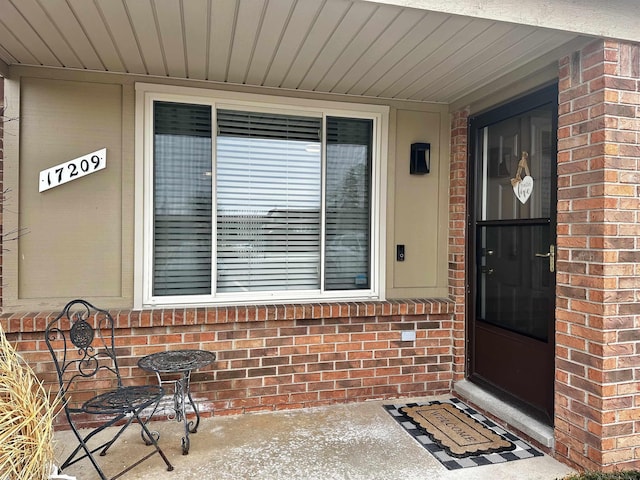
x=81 y=342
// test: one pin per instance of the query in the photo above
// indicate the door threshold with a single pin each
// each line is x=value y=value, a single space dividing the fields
x=509 y=414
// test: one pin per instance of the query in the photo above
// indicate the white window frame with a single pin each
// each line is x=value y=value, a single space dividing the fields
x=147 y=93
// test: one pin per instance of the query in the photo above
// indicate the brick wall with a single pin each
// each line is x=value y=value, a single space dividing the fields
x=597 y=420
x=457 y=234
x=280 y=357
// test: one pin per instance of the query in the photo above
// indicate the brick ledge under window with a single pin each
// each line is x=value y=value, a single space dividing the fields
x=37 y=321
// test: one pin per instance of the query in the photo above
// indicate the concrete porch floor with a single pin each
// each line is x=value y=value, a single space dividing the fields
x=357 y=441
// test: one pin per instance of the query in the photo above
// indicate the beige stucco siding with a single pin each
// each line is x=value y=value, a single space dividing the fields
x=417 y=205
x=73 y=241
x=79 y=239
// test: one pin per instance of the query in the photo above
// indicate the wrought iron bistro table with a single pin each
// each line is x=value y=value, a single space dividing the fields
x=181 y=362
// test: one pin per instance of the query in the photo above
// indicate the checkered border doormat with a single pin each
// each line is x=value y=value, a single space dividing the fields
x=522 y=450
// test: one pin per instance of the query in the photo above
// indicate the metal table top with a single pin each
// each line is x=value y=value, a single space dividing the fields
x=177 y=361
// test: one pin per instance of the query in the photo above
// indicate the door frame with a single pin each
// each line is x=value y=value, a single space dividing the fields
x=510 y=108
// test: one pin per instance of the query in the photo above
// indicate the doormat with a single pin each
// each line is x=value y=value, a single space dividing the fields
x=459 y=436
x=458 y=433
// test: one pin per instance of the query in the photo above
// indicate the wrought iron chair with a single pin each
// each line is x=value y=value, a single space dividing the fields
x=81 y=341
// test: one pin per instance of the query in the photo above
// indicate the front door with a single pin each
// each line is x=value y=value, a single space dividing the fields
x=512 y=250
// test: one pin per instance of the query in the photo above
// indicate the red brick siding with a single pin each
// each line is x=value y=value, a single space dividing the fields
x=457 y=235
x=598 y=283
x=280 y=357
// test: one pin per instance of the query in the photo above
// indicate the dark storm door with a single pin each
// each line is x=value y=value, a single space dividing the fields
x=512 y=255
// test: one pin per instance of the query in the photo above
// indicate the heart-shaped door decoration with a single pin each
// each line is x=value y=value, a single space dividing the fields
x=523 y=187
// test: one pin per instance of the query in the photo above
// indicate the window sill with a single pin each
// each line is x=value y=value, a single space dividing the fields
x=36 y=322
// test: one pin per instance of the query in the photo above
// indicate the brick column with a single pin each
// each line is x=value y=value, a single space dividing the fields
x=597 y=418
x=457 y=235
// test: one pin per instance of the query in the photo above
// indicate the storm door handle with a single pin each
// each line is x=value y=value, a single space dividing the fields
x=551 y=254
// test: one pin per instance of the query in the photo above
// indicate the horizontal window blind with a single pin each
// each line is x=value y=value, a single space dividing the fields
x=348 y=211
x=182 y=196
x=268 y=178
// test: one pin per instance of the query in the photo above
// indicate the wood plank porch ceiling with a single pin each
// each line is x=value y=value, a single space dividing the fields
x=335 y=46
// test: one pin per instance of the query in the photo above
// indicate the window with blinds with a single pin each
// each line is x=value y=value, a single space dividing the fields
x=272 y=209
x=181 y=199
x=268 y=184
x=348 y=204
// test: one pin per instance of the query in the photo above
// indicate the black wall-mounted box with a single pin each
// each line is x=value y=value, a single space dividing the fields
x=420 y=159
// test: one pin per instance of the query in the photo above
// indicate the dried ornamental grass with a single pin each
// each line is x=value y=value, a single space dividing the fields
x=26 y=419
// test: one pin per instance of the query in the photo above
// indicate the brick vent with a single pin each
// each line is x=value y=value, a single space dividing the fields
x=273 y=357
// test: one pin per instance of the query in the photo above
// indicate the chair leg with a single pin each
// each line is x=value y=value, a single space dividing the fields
x=82 y=446
x=104 y=447
x=103 y=452
x=154 y=442
x=147 y=442
x=95 y=464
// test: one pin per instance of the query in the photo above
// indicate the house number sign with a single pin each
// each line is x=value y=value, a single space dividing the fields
x=73 y=169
